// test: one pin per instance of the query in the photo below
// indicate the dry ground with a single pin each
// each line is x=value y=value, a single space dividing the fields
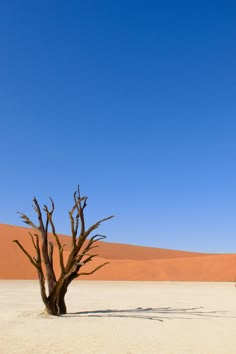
x=121 y=317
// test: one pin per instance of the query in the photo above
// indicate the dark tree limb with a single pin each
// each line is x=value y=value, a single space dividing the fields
x=79 y=216
x=84 y=236
x=50 y=253
x=55 y=235
x=27 y=221
x=32 y=261
x=50 y=274
x=34 y=243
x=93 y=271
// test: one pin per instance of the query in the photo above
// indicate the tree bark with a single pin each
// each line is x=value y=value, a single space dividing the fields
x=55 y=304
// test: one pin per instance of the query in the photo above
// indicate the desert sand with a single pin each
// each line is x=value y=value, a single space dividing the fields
x=108 y=317
x=127 y=262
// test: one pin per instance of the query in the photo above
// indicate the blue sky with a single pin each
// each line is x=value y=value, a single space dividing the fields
x=134 y=101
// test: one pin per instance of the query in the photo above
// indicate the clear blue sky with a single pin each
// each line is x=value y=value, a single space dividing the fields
x=133 y=100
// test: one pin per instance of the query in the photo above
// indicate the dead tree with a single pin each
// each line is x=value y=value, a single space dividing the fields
x=79 y=254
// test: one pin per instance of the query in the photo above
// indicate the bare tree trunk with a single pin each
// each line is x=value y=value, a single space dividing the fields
x=61 y=299
x=55 y=305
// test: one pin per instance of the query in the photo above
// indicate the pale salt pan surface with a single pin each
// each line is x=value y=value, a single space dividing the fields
x=121 y=317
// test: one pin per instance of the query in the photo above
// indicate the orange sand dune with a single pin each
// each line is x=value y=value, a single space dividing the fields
x=127 y=262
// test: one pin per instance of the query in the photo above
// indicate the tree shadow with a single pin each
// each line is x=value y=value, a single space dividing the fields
x=150 y=313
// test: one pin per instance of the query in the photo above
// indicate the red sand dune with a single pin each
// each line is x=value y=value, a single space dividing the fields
x=127 y=262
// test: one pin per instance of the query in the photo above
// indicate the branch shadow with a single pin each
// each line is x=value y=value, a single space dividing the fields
x=150 y=313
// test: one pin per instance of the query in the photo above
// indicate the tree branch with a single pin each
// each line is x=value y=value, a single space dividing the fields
x=32 y=238
x=59 y=245
x=40 y=218
x=84 y=236
x=79 y=216
x=40 y=272
x=27 y=220
x=27 y=254
x=50 y=253
x=90 y=246
x=93 y=271
x=50 y=274
x=89 y=258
